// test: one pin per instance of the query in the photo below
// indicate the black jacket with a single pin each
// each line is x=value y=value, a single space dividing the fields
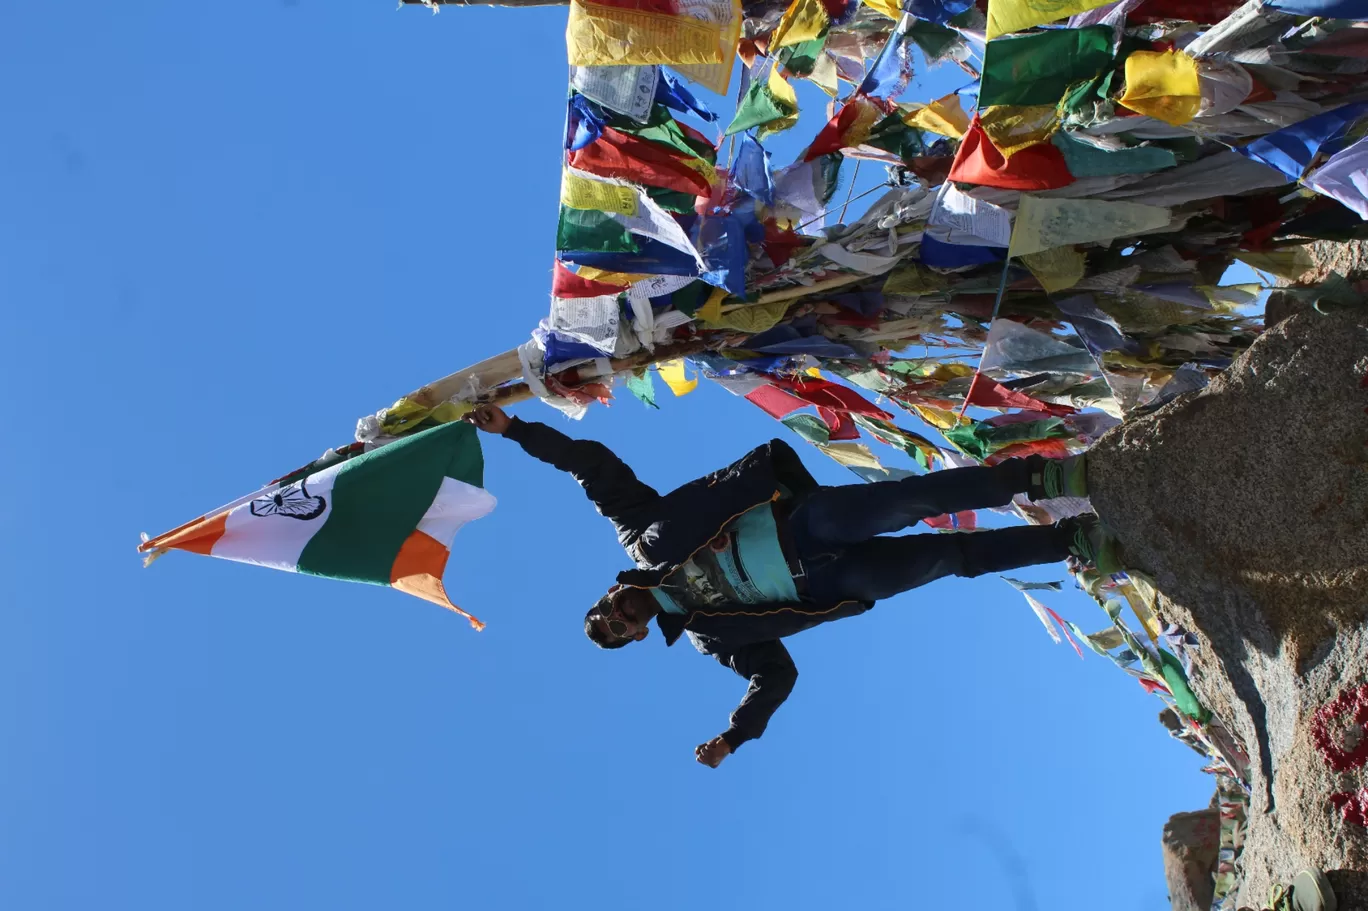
x=660 y=532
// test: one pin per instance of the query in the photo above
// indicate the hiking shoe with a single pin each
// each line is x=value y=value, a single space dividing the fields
x=1310 y=891
x=1052 y=478
x=1094 y=545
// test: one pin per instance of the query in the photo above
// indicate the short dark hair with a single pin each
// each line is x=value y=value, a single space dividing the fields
x=597 y=634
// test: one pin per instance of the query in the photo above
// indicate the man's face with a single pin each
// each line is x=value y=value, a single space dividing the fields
x=628 y=615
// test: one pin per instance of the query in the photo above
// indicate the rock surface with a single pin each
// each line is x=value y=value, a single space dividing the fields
x=1248 y=504
x=1191 y=843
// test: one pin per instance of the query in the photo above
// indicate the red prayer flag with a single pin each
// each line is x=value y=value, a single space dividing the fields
x=567 y=284
x=1204 y=12
x=826 y=394
x=774 y=402
x=1050 y=448
x=988 y=393
x=1037 y=167
x=836 y=134
x=842 y=427
x=618 y=155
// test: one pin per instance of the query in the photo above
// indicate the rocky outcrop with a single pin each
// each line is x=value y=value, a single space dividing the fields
x=1248 y=504
x=1191 y=843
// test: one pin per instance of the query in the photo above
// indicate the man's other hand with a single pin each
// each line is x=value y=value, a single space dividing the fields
x=713 y=752
x=490 y=419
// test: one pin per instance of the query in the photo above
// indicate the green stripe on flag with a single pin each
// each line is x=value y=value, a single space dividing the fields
x=596 y=232
x=379 y=498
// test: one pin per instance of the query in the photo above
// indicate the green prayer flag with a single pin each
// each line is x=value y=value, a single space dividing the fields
x=813 y=429
x=597 y=232
x=1040 y=68
x=1085 y=160
x=1177 y=683
x=759 y=107
x=672 y=200
x=643 y=387
x=892 y=134
x=662 y=128
x=801 y=59
x=934 y=40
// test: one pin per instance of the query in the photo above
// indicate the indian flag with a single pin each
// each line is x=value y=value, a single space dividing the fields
x=386 y=517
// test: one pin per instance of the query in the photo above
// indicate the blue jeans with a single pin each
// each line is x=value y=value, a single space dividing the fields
x=837 y=530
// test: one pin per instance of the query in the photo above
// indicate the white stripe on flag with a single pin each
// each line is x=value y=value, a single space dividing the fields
x=270 y=533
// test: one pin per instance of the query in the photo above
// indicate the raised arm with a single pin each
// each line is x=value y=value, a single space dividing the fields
x=606 y=479
x=771 y=673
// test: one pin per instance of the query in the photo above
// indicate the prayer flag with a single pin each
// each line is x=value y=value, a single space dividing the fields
x=938 y=12
x=804 y=20
x=1039 y=167
x=716 y=77
x=1328 y=9
x=1006 y=16
x=621 y=32
x=944 y=116
x=1345 y=178
x=565 y=283
x=849 y=128
x=1012 y=127
x=1163 y=85
x=1087 y=160
x=386 y=517
x=672 y=372
x=773 y=401
x=1292 y=149
x=1042 y=224
x=771 y=105
x=634 y=216
x=629 y=158
x=892 y=69
x=1040 y=68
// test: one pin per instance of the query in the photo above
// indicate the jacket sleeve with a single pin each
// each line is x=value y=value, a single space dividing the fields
x=607 y=481
x=771 y=673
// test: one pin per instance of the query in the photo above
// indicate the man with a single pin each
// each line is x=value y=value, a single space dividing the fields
x=757 y=551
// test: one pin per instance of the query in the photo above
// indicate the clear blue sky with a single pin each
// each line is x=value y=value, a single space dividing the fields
x=228 y=230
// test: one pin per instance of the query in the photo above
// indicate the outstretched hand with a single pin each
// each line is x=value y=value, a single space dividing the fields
x=490 y=419
x=713 y=752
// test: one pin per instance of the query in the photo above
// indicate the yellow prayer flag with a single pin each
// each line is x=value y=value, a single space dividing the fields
x=711 y=311
x=1058 y=268
x=1164 y=85
x=1043 y=223
x=406 y=414
x=890 y=8
x=1288 y=264
x=951 y=371
x=717 y=76
x=1005 y=16
x=814 y=371
x=804 y=20
x=700 y=165
x=600 y=35
x=914 y=278
x=852 y=455
x=751 y=319
x=579 y=192
x=784 y=94
x=944 y=116
x=622 y=279
x=672 y=372
x=939 y=418
x=1014 y=127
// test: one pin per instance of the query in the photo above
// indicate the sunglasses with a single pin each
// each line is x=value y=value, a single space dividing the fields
x=615 y=623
